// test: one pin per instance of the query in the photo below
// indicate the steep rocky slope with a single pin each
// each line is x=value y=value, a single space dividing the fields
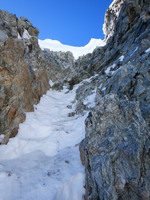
x=116 y=149
x=63 y=69
x=116 y=92
x=23 y=78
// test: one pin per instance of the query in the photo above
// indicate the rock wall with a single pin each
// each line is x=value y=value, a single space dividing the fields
x=116 y=148
x=63 y=69
x=111 y=18
x=23 y=79
x=59 y=64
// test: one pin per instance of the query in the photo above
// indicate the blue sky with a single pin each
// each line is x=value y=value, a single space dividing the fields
x=70 y=22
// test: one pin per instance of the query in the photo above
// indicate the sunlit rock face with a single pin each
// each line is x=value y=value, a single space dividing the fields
x=22 y=76
x=111 y=17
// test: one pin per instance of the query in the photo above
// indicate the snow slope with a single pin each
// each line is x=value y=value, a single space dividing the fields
x=42 y=162
x=55 y=45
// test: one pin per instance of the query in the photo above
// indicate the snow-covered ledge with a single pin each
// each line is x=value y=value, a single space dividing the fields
x=54 y=45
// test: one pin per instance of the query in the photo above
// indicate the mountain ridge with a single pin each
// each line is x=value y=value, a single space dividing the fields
x=54 y=45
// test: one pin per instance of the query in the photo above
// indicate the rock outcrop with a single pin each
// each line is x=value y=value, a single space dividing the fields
x=117 y=151
x=23 y=79
x=115 y=91
x=59 y=65
x=111 y=18
x=63 y=69
x=116 y=148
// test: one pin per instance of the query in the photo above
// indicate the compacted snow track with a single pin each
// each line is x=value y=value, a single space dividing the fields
x=42 y=162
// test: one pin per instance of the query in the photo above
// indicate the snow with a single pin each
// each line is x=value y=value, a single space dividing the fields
x=54 y=45
x=121 y=58
x=26 y=35
x=89 y=80
x=147 y=51
x=34 y=69
x=43 y=162
x=134 y=51
x=19 y=37
x=1 y=138
x=108 y=70
x=90 y=100
x=112 y=4
x=68 y=191
x=51 y=83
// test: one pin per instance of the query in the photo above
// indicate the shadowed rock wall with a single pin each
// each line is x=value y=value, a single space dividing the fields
x=116 y=149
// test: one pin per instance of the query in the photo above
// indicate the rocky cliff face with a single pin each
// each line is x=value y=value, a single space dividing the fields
x=115 y=91
x=63 y=69
x=111 y=18
x=116 y=149
x=23 y=78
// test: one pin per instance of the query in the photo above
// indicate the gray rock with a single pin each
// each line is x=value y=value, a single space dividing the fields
x=115 y=151
x=116 y=148
x=111 y=17
x=59 y=65
x=3 y=37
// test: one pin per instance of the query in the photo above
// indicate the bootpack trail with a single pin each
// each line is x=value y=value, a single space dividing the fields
x=43 y=162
